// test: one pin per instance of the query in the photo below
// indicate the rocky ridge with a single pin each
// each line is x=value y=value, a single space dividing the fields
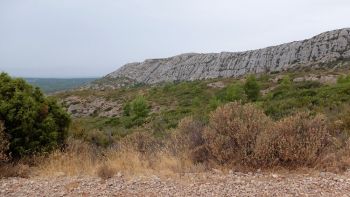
x=315 y=52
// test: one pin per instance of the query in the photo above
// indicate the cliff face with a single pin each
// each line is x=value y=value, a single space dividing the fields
x=324 y=48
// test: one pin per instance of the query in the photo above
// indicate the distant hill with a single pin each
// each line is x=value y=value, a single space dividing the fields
x=318 y=51
x=50 y=85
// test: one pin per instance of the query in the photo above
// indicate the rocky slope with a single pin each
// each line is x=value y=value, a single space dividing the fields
x=315 y=52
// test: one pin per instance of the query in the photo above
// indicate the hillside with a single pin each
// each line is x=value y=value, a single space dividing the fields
x=315 y=52
x=316 y=90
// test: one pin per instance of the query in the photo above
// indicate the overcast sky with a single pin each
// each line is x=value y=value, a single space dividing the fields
x=83 y=38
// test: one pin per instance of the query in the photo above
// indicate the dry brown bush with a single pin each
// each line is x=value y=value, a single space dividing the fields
x=142 y=142
x=298 y=140
x=232 y=132
x=187 y=140
x=105 y=172
x=4 y=144
x=14 y=170
x=335 y=160
x=237 y=134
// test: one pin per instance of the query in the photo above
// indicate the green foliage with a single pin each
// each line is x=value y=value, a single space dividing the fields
x=33 y=122
x=139 y=107
x=4 y=144
x=136 y=112
x=306 y=95
x=214 y=103
x=286 y=83
x=127 y=109
x=252 y=88
x=343 y=79
x=235 y=92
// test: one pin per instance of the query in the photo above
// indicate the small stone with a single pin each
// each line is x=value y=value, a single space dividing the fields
x=322 y=174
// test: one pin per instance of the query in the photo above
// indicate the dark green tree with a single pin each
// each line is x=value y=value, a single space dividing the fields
x=135 y=112
x=33 y=122
x=252 y=88
x=139 y=107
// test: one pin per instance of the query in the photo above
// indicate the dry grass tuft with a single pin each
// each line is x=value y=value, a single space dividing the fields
x=77 y=159
x=105 y=172
x=80 y=159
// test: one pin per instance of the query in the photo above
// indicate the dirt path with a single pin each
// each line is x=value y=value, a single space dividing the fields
x=204 y=184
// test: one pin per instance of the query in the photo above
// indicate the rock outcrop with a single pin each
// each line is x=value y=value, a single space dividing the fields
x=90 y=106
x=317 y=51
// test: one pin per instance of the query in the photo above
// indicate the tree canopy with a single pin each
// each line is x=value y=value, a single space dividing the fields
x=33 y=122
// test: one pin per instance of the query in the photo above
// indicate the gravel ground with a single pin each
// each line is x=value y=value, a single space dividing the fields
x=203 y=184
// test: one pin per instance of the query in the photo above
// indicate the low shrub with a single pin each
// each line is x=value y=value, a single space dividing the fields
x=105 y=172
x=142 y=142
x=252 y=88
x=14 y=170
x=232 y=132
x=99 y=138
x=243 y=135
x=298 y=140
x=187 y=140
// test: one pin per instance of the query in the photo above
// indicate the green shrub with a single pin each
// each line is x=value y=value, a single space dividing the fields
x=235 y=92
x=135 y=112
x=33 y=122
x=99 y=138
x=285 y=84
x=139 y=107
x=214 y=103
x=252 y=88
x=343 y=79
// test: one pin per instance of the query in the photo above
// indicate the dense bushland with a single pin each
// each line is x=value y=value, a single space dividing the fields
x=32 y=122
x=237 y=136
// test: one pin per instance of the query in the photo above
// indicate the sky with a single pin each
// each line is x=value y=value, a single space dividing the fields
x=91 y=38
